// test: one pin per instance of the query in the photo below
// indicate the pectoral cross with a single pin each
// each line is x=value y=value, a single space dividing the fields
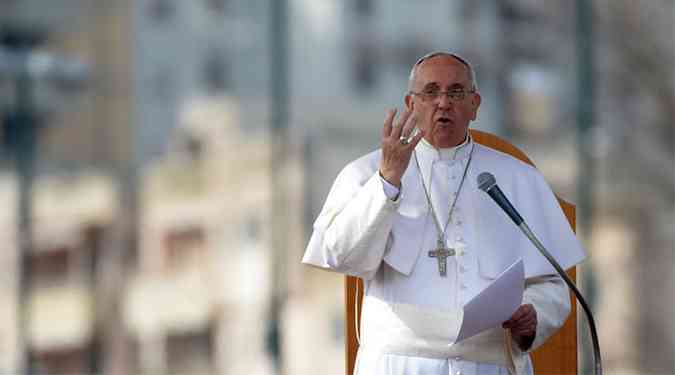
x=441 y=253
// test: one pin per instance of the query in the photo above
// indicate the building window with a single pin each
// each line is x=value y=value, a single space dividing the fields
x=194 y=148
x=49 y=267
x=93 y=236
x=215 y=73
x=218 y=7
x=184 y=246
x=364 y=8
x=190 y=352
x=65 y=360
x=187 y=145
x=364 y=69
x=160 y=11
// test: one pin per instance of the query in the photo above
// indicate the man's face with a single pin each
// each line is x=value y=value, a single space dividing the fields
x=445 y=121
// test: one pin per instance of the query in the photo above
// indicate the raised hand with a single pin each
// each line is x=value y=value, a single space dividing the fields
x=397 y=146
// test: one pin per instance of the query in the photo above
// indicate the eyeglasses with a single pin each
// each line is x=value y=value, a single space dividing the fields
x=433 y=94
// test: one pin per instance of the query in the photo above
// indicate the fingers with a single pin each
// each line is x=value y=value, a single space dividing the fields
x=524 y=317
x=404 y=128
x=397 y=131
x=526 y=330
x=514 y=318
x=521 y=312
x=523 y=322
x=397 y=151
x=408 y=124
x=388 y=120
x=524 y=325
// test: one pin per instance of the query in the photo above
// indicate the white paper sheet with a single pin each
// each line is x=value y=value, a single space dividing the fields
x=495 y=304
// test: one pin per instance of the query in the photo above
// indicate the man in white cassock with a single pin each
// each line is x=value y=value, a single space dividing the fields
x=410 y=221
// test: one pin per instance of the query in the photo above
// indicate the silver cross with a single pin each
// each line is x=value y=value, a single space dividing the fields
x=441 y=253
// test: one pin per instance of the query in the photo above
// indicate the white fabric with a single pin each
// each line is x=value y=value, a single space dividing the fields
x=361 y=232
x=390 y=190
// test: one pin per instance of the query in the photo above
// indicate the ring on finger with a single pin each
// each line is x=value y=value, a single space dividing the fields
x=404 y=140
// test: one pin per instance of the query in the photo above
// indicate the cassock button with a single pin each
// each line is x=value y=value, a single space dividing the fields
x=457 y=364
x=463 y=286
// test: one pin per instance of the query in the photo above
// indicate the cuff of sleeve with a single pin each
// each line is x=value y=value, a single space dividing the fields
x=392 y=192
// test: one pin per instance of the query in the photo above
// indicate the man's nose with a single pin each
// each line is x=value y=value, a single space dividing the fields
x=444 y=100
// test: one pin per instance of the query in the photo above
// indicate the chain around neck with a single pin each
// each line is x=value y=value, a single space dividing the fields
x=427 y=193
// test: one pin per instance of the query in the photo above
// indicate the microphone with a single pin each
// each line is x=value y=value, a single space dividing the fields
x=487 y=182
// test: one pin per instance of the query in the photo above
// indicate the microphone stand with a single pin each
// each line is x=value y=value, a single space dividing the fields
x=591 y=322
x=487 y=183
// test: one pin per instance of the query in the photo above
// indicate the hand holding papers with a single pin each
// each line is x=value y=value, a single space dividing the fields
x=407 y=328
x=495 y=304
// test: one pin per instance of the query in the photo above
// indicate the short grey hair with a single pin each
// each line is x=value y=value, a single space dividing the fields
x=465 y=62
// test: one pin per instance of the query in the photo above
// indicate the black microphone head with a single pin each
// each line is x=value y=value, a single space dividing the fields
x=485 y=181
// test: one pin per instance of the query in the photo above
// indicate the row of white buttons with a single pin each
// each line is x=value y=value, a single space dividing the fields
x=458 y=221
x=457 y=365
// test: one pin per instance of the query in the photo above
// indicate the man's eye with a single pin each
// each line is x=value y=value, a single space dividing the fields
x=430 y=92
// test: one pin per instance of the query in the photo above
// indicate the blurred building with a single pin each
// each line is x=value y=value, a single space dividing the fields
x=202 y=284
x=70 y=219
x=161 y=131
x=199 y=301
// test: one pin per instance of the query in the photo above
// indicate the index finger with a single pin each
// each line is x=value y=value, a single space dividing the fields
x=388 y=120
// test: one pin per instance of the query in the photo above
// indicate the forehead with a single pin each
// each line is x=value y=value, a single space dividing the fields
x=443 y=71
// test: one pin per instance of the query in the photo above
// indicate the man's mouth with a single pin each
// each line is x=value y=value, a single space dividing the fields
x=444 y=120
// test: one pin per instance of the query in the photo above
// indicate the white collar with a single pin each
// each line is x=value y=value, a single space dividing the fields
x=428 y=156
x=457 y=153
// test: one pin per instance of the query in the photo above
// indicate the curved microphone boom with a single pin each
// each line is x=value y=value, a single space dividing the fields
x=487 y=182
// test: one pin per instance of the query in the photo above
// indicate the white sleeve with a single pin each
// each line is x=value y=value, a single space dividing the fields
x=351 y=233
x=391 y=191
x=551 y=299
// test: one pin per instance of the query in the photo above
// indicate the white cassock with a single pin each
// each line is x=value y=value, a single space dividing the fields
x=409 y=311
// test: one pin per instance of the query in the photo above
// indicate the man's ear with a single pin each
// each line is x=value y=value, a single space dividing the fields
x=475 y=104
x=409 y=103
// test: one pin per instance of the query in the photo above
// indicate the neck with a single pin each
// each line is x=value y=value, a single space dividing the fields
x=433 y=145
x=439 y=146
